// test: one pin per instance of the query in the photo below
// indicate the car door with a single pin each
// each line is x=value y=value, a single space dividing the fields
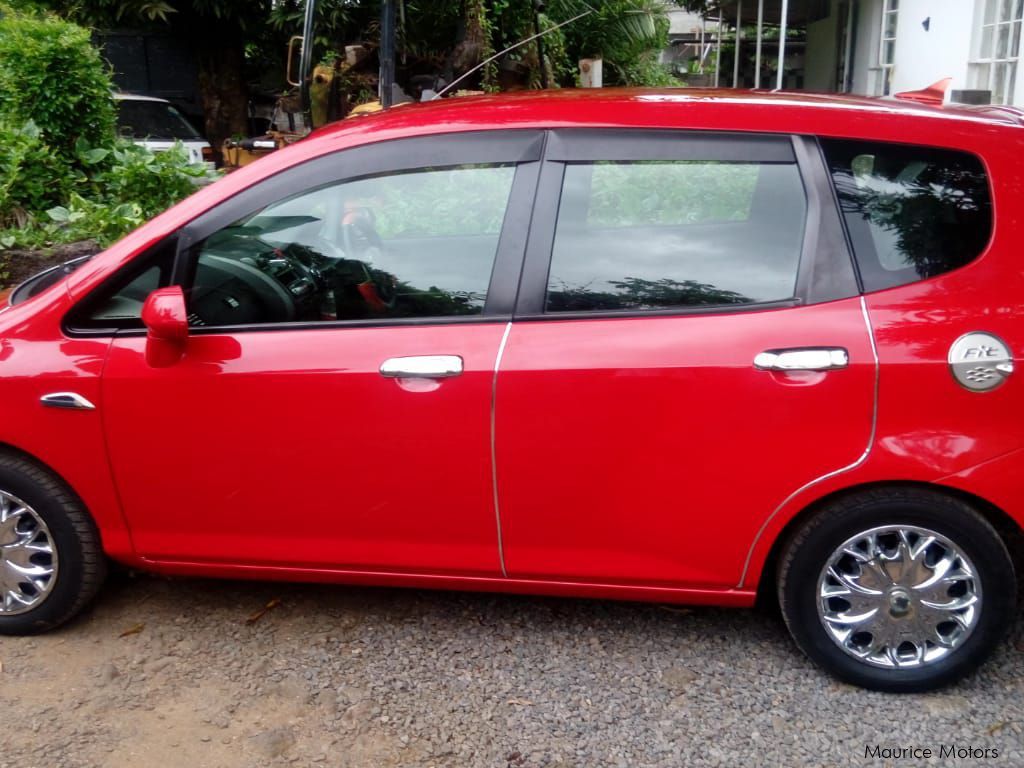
x=332 y=407
x=689 y=350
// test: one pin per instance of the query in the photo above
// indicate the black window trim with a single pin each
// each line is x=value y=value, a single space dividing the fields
x=824 y=237
x=521 y=147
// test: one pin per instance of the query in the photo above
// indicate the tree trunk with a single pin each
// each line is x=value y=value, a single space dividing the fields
x=220 y=54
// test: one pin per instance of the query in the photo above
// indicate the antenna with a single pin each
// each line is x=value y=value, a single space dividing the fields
x=499 y=54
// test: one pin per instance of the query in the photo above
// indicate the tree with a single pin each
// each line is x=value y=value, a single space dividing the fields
x=439 y=36
x=217 y=31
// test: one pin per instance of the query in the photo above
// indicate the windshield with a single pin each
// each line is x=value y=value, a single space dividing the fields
x=153 y=120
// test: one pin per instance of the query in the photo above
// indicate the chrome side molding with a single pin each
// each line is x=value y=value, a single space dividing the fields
x=68 y=400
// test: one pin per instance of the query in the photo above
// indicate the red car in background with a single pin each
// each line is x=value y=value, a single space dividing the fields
x=676 y=346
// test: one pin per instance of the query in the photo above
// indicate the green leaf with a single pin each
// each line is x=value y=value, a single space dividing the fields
x=93 y=156
x=59 y=214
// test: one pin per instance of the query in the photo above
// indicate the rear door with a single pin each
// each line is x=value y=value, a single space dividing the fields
x=689 y=350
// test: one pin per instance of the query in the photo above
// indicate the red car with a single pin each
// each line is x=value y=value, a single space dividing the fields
x=677 y=346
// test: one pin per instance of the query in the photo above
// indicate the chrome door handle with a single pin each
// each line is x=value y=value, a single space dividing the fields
x=817 y=359
x=69 y=400
x=422 y=367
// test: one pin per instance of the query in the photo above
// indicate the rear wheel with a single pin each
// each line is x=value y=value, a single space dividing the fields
x=897 y=589
x=51 y=562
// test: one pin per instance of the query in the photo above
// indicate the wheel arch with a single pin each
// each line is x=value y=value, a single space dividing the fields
x=1005 y=525
x=97 y=498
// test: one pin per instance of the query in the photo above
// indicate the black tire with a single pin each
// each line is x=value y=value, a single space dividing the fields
x=81 y=563
x=809 y=549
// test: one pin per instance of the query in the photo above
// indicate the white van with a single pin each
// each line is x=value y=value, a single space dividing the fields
x=157 y=124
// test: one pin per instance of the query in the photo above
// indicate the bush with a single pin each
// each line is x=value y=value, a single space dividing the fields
x=153 y=181
x=31 y=177
x=52 y=75
x=131 y=184
x=64 y=176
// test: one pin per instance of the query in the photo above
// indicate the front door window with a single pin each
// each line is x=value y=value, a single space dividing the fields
x=405 y=245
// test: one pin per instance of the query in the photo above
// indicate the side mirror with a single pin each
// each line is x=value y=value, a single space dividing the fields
x=166 y=319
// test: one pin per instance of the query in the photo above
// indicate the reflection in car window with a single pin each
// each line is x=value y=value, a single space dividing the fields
x=653 y=235
x=414 y=244
x=912 y=212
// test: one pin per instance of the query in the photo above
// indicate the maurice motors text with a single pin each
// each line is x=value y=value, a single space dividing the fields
x=943 y=752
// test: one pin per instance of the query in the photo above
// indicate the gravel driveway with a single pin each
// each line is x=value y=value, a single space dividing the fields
x=170 y=673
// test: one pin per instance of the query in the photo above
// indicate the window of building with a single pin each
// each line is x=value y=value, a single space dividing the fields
x=887 y=42
x=997 y=48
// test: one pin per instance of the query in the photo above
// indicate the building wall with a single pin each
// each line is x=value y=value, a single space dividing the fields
x=922 y=56
x=943 y=50
x=866 y=75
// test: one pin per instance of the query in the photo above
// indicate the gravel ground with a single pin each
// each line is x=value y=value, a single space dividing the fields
x=170 y=673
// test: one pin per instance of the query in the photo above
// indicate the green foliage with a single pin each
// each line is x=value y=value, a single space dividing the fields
x=64 y=176
x=52 y=75
x=151 y=181
x=626 y=34
x=646 y=70
x=31 y=177
x=667 y=193
x=126 y=185
x=469 y=200
x=85 y=219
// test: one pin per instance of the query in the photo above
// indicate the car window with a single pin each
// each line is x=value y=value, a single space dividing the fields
x=158 y=120
x=911 y=212
x=118 y=304
x=404 y=245
x=663 y=234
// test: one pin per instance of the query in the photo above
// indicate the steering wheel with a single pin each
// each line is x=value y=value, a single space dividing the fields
x=363 y=244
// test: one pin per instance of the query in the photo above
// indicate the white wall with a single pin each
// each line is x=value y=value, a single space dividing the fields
x=923 y=57
x=684 y=22
x=865 y=78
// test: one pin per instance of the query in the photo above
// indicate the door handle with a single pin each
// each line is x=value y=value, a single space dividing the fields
x=69 y=400
x=422 y=367
x=817 y=359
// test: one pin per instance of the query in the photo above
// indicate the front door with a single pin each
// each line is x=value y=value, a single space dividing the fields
x=333 y=405
x=689 y=350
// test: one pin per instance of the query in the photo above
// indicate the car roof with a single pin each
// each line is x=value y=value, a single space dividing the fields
x=612 y=106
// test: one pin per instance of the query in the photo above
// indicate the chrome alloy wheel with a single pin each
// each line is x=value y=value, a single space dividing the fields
x=28 y=559
x=898 y=596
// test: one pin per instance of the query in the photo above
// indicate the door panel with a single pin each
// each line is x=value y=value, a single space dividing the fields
x=290 y=448
x=636 y=441
x=278 y=438
x=650 y=449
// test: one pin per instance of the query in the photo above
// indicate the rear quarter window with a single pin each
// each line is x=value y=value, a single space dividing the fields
x=911 y=212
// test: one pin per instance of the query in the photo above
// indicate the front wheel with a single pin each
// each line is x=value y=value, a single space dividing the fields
x=897 y=589
x=51 y=562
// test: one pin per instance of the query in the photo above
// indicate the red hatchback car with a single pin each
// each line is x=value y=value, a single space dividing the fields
x=651 y=345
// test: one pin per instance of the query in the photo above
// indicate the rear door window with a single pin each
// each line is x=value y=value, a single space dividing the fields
x=661 y=234
x=911 y=212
